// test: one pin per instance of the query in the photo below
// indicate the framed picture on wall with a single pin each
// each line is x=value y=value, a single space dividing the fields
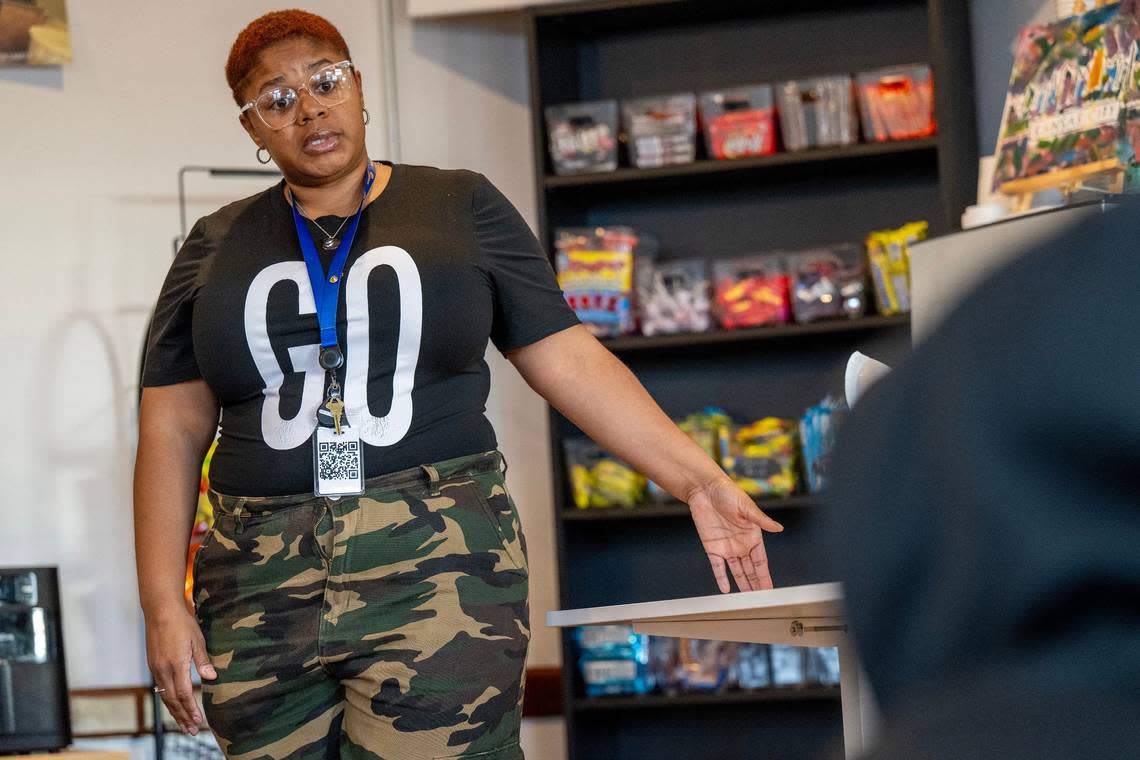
x=34 y=33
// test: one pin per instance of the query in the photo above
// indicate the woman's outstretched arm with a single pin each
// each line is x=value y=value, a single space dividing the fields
x=615 y=410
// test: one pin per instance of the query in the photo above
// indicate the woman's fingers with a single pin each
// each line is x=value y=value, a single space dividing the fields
x=757 y=572
x=759 y=559
x=719 y=573
x=184 y=693
x=756 y=516
x=750 y=573
x=202 y=659
x=737 y=568
x=178 y=694
x=166 y=680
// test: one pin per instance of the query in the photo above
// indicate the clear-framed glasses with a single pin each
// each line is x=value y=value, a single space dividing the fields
x=277 y=106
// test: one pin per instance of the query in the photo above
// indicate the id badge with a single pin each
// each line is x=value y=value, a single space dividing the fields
x=338 y=462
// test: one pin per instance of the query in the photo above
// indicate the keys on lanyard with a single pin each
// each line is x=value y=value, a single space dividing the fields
x=335 y=405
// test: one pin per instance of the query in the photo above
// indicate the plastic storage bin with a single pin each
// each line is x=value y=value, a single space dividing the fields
x=595 y=271
x=613 y=660
x=789 y=665
x=751 y=291
x=583 y=137
x=897 y=103
x=661 y=131
x=673 y=297
x=828 y=283
x=739 y=122
x=818 y=113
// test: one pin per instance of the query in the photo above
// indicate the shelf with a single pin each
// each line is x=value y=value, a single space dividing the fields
x=676 y=509
x=656 y=701
x=638 y=343
x=594 y=18
x=757 y=164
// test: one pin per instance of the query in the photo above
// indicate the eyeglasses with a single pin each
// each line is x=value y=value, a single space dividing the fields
x=277 y=106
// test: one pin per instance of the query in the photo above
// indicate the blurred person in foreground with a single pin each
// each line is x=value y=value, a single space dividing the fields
x=985 y=515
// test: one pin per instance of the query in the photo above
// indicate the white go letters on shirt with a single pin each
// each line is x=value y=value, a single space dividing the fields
x=283 y=434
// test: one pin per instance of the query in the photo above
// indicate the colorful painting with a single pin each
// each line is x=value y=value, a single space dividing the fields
x=1072 y=94
x=34 y=33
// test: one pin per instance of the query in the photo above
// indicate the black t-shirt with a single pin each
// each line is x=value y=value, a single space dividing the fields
x=441 y=263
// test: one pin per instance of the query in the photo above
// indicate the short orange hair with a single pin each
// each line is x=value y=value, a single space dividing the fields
x=274 y=27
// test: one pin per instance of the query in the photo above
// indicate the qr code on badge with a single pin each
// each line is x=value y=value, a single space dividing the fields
x=338 y=460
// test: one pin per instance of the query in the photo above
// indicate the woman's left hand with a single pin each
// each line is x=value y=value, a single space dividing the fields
x=731 y=528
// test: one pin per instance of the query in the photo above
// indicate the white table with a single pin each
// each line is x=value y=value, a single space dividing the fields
x=806 y=616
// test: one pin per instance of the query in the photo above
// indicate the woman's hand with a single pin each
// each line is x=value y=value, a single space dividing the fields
x=731 y=528
x=173 y=641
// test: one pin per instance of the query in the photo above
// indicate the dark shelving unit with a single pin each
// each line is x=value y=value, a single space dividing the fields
x=670 y=701
x=675 y=509
x=629 y=344
x=719 y=170
x=617 y=49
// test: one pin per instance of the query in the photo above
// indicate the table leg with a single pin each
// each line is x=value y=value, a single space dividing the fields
x=860 y=714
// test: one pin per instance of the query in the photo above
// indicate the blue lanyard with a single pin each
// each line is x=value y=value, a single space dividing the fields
x=326 y=286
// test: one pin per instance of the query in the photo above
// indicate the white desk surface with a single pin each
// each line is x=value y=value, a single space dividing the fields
x=818 y=600
x=815 y=613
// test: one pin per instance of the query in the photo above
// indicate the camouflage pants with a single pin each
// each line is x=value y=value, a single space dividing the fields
x=388 y=625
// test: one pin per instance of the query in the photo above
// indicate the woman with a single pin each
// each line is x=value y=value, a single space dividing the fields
x=392 y=622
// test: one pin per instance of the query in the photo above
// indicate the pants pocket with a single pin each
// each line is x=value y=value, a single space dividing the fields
x=195 y=566
x=490 y=490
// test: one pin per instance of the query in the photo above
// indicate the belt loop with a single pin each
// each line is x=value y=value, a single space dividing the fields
x=237 y=514
x=502 y=463
x=433 y=478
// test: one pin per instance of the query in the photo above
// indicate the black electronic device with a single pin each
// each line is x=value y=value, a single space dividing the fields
x=34 y=713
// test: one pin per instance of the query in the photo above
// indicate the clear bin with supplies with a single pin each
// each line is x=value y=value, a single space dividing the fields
x=595 y=269
x=818 y=113
x=828 y=283
x=897 y=103
x=661 y=131
x=673 y=296
x=613 y=660
x=751 y=291
x=739 y=122
x=583 y=137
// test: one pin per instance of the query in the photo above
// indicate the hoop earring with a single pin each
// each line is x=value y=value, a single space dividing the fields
x=268 y=157
x=367 y=118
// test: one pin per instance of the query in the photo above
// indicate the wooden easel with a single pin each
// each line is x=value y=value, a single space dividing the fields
x=1068 y=181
